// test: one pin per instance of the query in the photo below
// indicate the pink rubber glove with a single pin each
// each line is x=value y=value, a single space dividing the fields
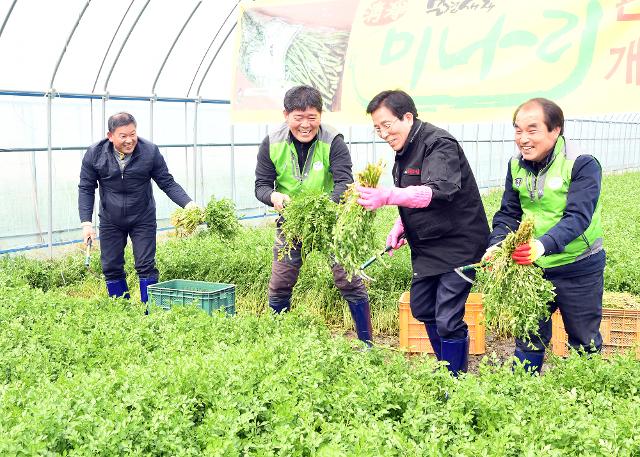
x=409 y=197
x=393 y=239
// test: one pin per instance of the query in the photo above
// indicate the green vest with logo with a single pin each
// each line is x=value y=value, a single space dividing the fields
x=315 y=175
x=544 y=198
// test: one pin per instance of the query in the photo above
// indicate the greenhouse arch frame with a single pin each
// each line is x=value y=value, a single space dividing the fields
x=169 y=64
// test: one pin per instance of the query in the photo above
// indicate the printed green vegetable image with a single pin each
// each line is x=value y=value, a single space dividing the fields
x=275 y=54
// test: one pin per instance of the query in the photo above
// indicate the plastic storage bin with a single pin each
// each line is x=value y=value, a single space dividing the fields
x=620 y=329
x=210 y=296
x=413 y=335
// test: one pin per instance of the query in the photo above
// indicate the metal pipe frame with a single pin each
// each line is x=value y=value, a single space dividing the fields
x=216 y=145
x=195 y=74
x=6 y=18
x=49 y=176
x=113 y=38
x=155 y=81
x=66 y=45
x=137 y=98
x=124 y=43
x=214 y=58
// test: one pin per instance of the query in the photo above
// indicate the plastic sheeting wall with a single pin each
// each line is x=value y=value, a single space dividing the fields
x=225 y=156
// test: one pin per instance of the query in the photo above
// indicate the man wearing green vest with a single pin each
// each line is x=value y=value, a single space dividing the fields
x=303 y=154
x=550 y=180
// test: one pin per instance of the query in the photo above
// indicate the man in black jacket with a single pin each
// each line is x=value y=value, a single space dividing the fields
x=441 y=216
x=122 y=166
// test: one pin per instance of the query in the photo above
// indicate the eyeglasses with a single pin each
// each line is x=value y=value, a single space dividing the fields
x=385 y=126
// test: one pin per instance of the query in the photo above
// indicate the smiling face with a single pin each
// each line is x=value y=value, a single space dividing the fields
x=124 y=138
x=304 y=125
x=390 y=128
x=532 y=135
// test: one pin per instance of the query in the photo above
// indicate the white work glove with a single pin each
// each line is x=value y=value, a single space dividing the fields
x=192 y=205
x=279 y=200
x=489 y=253
x=88 y=232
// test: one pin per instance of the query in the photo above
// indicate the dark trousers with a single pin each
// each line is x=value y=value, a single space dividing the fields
x=113 y=239
x=284 y=275
x=580 y=302
x=440 y=300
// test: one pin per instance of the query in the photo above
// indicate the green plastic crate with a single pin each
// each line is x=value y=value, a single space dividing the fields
x=210 y=296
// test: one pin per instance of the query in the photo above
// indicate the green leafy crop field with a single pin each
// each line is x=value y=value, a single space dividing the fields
x=81 y=374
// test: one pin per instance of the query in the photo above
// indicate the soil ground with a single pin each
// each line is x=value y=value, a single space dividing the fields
x=503 y=348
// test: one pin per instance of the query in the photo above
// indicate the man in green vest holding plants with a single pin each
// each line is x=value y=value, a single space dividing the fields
x=551 y=181
x=305 y=155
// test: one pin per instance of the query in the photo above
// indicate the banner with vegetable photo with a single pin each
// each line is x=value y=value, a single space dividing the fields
x=284 y=44
x=461 y=60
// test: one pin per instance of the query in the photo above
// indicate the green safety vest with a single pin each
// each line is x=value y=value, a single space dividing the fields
x=544 y=198
x=315 y=175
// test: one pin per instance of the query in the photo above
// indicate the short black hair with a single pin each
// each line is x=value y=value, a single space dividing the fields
x=553 y=115
x=396 y=101
x=119 y=120
x=302 y=98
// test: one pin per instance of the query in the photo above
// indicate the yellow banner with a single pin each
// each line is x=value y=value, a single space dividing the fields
x=460 y=60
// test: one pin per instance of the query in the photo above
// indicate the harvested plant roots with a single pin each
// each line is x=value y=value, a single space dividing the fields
x=516 y=297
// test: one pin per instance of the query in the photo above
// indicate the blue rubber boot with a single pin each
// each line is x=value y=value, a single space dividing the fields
x=361 y=314
x=456 y=352
x=532 y=360
x=279 y=304
x=144 y=294
x=118 y=288
x=144 y=283
x=434 y=339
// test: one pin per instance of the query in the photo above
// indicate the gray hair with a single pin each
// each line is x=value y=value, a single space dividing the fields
x=120 y=120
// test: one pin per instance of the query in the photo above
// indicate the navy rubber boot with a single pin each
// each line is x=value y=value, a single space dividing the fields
x=361 y=314
x=118 y=288
x=532 y=360
x=144 y=294
x=456 y=352
x=434 y=339
x=144 y=283
x=279 y=305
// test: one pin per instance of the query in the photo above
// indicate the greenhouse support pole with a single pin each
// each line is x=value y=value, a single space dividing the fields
x=34 y=195
x=104 y=127
x=489 y=180
x=186 y=139
x=266 y=207
x=373 y=147
x=504 y=145
x=477 y=154
x=636 y=149
x=232 y=168
x=50 y=173
x=582 y=143
x=104 y=110
x=151 y=101
x=628 y=152
x=195 y=149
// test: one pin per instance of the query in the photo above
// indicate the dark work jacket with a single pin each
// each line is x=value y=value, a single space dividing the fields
x=125 y=197
x=453 y=230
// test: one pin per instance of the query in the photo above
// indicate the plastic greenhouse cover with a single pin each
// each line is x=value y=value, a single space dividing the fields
x=118 y=46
